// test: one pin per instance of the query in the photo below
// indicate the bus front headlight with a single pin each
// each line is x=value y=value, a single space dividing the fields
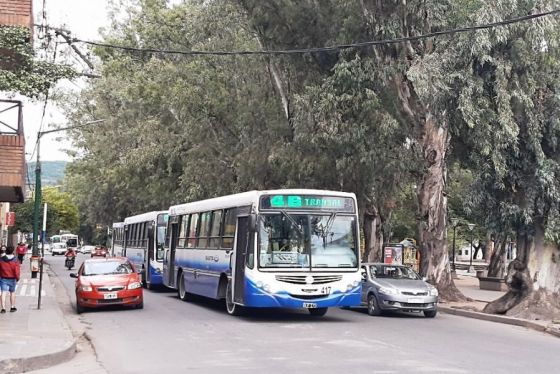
x=264 y=286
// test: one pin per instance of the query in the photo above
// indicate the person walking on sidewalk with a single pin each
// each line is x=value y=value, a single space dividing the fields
x=9 y=276
x=21 y=250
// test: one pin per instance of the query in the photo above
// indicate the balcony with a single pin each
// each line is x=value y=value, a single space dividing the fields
x=12 y=152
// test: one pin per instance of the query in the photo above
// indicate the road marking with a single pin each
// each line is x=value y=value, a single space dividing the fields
x=28 y=287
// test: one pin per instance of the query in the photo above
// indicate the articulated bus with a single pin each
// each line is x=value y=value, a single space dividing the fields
x=117 y=239
x=143 y=245
x=283 y=248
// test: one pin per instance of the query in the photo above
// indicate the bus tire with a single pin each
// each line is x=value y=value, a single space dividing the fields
x=318 y=312
x=232 y=308
x=183 y=294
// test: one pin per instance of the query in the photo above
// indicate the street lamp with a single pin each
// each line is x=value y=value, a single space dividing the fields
x=471 y=227
x=35 y=251
x=454 y=224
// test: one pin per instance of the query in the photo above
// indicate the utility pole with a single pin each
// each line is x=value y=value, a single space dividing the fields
x=36 y=207
x=38 y=195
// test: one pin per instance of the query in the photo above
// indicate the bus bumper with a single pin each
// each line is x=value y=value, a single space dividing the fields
x=258 y=298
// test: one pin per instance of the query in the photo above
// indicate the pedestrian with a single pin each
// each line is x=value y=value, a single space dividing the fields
x=2 y=250
x=21 y=250
x=9 y=276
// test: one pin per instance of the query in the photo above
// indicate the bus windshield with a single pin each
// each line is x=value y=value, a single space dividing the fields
x=307 y=241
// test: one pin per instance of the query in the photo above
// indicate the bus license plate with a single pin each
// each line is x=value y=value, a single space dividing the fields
x=108 y=296
x=309 y=305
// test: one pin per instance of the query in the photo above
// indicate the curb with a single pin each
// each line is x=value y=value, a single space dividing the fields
x=500 y=319
x=22 y=365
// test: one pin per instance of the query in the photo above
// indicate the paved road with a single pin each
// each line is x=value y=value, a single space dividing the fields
x=169 y=335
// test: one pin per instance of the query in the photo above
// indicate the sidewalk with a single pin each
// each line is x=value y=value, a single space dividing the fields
x=468 y=284
x=34 y=338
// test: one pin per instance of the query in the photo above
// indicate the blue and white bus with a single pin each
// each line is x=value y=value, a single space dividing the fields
x=143 y=245
x=282 y=248
x=117 y=239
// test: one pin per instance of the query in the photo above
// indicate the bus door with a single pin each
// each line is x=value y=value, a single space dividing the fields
x=150 y=255
x=238 y=266
x=169 y=261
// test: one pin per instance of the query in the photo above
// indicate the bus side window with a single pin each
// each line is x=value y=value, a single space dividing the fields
x=191 y=242
x=228 y=231
x=215 y=229
x=183 y=232
x=204 y=229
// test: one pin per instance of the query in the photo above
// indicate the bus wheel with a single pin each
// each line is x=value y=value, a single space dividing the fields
x=318 y=312
x=183 y=294
x=232 y=308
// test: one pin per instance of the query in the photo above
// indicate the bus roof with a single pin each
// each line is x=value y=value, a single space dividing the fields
x=144 y=217
x=244 y=199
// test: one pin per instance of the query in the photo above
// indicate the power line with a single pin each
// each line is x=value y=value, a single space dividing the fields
x=324 y=49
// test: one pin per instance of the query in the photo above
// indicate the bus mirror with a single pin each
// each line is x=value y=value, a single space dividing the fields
x=253 y=222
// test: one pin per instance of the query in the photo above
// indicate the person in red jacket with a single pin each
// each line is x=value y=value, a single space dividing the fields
x=9 y=276
x=21 y=250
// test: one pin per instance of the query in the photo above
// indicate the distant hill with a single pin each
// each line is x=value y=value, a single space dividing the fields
x=52 y=172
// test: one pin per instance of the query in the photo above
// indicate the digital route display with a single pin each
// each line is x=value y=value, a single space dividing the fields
x=307 y=202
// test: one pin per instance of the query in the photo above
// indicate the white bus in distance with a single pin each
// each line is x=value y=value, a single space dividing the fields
x=294 y=248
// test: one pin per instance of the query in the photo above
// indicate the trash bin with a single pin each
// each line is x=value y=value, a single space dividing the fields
x=34 y=262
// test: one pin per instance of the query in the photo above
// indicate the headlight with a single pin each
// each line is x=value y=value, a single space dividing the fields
x=134 y=285
x=433 y=291
x=264 y=286
x=86 y=288
x=388 y=291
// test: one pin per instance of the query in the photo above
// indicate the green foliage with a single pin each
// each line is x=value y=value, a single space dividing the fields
x=62 y=214
x=20 y=71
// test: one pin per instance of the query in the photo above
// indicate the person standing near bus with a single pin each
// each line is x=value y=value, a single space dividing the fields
x=9 y=276
x=21 y=250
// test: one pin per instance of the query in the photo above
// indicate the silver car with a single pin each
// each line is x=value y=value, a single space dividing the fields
x=396 y=287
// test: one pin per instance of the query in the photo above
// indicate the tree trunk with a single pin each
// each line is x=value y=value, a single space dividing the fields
x=373 y=234
x=432 y=205
x=497 y=264
x=533 y=279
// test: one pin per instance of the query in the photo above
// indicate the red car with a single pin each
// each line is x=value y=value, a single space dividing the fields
x=107 y=281
x=99 y=251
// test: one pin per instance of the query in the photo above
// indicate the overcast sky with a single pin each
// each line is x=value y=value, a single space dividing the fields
x=83 y=18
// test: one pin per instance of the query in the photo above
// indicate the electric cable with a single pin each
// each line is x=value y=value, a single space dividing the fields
x=327 y=48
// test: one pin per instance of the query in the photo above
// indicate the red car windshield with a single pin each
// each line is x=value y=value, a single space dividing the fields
x=109 y=267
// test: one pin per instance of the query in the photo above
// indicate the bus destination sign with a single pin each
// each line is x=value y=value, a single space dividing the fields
x=307 y=202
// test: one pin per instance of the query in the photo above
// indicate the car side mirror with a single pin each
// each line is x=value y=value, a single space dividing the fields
x=73 y=275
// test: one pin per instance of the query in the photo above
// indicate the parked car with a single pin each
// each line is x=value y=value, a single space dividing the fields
x=396 y=287
x=99 y=251
x=58 y=249
x=107 y=281
x=85 y=249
